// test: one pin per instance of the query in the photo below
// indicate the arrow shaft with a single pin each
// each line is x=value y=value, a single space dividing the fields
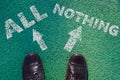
x=42 y=44
x=75 y=35
x=70 y=44
x=38 y=38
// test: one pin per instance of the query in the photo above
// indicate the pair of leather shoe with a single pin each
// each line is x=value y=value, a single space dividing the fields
x=33 y=68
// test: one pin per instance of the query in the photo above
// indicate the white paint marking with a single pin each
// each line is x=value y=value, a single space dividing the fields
x=87 y=20
x=38 y=38
x=60 y=10
x=37 y=15
x=69 y=13
x=9 y=30
x=24 y=21
x=75 y=35
x=114 y=30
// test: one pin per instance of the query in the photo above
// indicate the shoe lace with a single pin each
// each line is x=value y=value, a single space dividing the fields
x=34 y=77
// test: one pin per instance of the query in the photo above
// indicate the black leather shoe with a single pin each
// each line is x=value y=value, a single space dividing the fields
x=33 y=68
x=77 y=68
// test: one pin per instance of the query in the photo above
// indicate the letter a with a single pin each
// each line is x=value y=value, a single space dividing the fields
x=14 y=27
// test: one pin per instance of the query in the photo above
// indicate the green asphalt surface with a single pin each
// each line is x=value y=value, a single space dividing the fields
x=101 y=50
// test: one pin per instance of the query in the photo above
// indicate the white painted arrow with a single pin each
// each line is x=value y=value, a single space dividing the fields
x=75 y=35
x=38 y=38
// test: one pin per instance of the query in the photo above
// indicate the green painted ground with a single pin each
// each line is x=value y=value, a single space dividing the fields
x=101 y=50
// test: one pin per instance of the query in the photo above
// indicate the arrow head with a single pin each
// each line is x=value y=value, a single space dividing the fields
x=76 y=33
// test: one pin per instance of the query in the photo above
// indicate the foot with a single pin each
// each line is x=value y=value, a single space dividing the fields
x=77 y=68
x=32 y=68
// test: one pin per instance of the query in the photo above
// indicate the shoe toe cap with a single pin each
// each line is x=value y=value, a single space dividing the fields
x=32 y=59
x=78 y=59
